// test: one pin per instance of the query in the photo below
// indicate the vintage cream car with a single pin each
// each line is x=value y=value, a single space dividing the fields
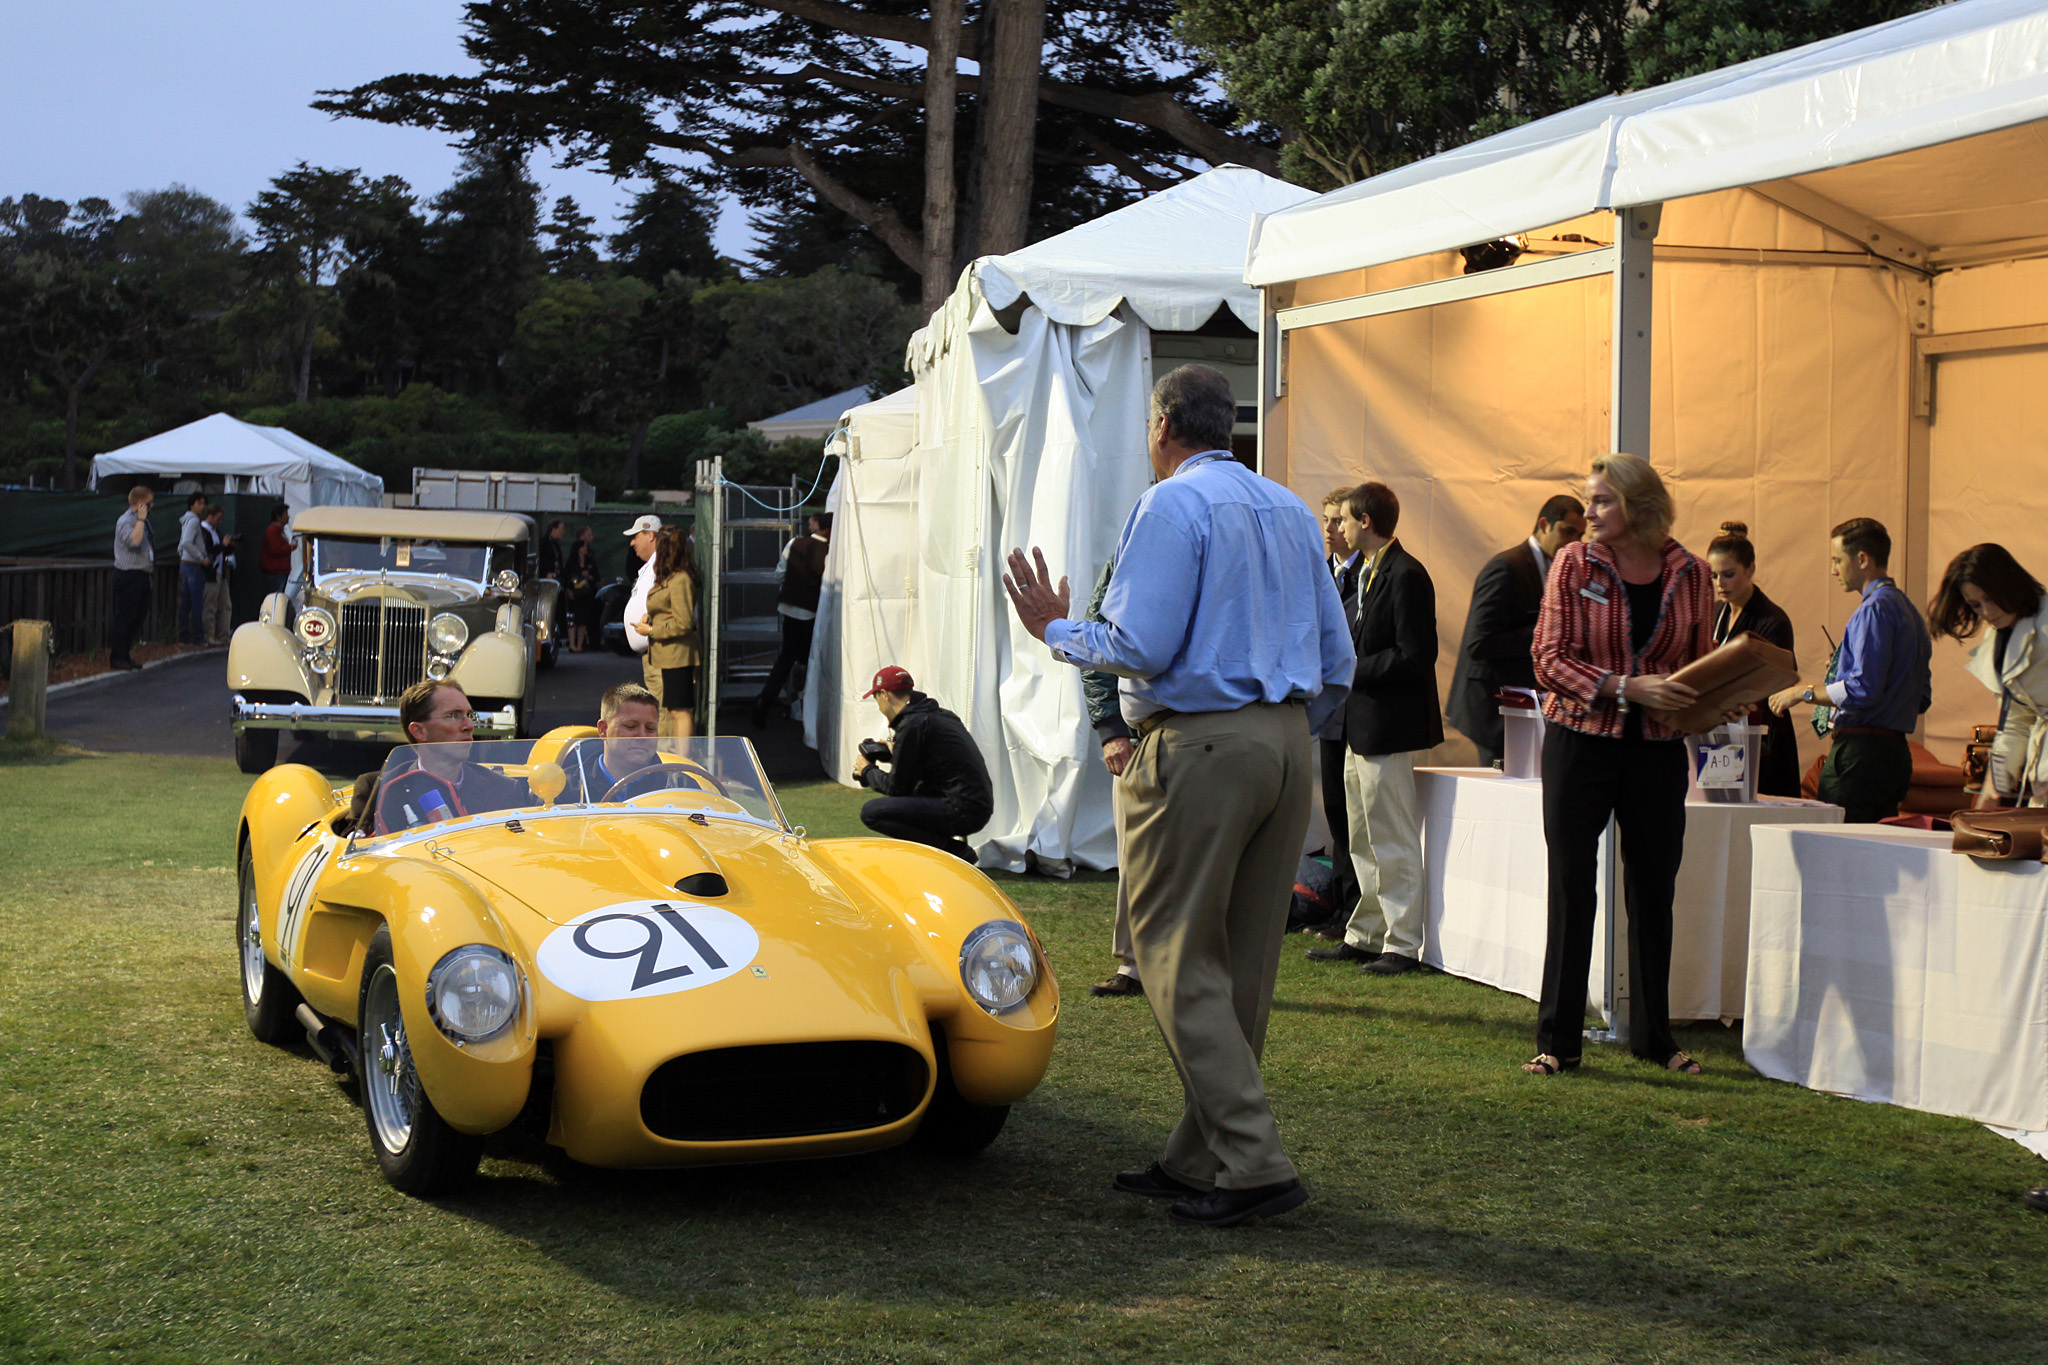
x=392 y=595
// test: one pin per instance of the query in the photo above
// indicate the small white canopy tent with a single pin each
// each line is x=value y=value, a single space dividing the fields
x=1747 y=276
x=812 y=420
x=253 y=459
x=1029 y=429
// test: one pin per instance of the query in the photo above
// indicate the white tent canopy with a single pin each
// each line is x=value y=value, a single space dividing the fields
x=252 y=459
x=1749 y=276
x=812 y=420
x=1029 y=429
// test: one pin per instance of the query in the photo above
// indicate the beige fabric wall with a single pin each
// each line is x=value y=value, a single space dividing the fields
x=1779 y=399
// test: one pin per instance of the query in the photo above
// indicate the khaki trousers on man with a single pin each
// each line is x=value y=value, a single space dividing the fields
x=1215 y=807
x=1386 y=852
x=216 y=614
x=1120 y=935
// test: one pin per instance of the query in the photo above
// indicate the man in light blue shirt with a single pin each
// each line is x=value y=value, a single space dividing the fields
x=1224 y=624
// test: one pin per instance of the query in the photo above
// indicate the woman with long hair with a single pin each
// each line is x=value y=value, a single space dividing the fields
x=671 y=627
x=1742 y=608
x=580 y=580
x=1985 y=585
x=1622 y=610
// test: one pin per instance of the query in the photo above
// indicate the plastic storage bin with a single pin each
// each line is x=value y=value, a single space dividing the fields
x=1734 y=784
x=1522 y=748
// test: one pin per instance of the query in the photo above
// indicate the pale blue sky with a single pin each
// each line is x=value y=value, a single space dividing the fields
x=100 y=97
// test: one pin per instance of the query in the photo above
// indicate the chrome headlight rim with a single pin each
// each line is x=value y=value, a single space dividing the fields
x=505 y=581
x=1006 y=946
x=447 y=633
x=321 y=634
x=488 y=968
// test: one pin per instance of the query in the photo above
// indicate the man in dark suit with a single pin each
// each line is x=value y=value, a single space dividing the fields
x=1344 y=562
x=1392 y=716
x=1501 y=626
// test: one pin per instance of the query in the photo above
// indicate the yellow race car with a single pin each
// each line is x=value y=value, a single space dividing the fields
x=625 y=945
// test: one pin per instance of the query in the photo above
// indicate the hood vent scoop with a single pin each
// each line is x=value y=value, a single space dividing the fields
x=703 y=884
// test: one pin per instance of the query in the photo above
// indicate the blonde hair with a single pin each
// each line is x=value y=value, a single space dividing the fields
x=608 y=706
x=1640 y=492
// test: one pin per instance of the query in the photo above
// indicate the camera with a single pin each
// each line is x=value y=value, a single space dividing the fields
x=874 y=751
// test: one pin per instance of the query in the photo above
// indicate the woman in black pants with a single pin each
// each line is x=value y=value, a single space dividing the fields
x=1621 y=611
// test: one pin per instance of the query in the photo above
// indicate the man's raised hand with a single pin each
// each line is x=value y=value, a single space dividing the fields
x=1029 y=584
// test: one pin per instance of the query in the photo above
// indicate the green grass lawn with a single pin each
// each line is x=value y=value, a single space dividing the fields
x=170 y=1190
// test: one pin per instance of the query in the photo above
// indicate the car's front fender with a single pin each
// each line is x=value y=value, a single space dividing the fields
x=263 y=657
x=494 y=665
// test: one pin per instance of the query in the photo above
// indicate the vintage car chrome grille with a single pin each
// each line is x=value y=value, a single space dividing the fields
x=383 y=648
x=778 y=1090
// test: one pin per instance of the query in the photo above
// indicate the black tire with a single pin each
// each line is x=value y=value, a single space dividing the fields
x=417 y=1150
x=550 y=651
x=255 y=750
x=951 y=1126
x=269 y=1000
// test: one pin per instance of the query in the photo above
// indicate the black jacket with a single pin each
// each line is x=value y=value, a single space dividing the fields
x=1499 y=632
x=1393 y=707
x=1779 y=773
x=934 y=756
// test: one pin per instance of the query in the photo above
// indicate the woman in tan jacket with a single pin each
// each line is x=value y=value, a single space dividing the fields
x=671 y=627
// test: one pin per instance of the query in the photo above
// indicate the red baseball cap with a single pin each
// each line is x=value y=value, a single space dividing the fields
x=890 y=679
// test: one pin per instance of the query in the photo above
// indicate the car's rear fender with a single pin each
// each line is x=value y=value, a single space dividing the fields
x=430 y=911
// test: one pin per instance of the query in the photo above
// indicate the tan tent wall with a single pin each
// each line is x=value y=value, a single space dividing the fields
x=1780 y=395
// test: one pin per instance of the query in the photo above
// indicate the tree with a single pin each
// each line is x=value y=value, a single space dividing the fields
x=572 y=249
x=484 y=245
x=667 y=231
x=1363 y=86
x=305 y=222
x=192 y=252
x=838 y=102
x=386 y=285
x=771 y=345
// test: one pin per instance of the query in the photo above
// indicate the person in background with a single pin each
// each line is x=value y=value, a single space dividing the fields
x=1742 y=608
x=1500 y=626
x=551 y=550
x=936 y=790
x=274 y=559
x=134 y=567
x=641 y=535
x=670 y=626
x=1391 y=717
x=581 y=579
x=1622 y=611
x=193 y=557
x=1224 y=624
x=1878 y=684
x=218 y=616
x=1330 y=748
x=1985 y=585
x=1099 y=691
x=801 y=572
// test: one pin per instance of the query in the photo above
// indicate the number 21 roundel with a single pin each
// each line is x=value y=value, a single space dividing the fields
x=644 y=948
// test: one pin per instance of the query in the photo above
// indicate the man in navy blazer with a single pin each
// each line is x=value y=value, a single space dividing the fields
x=1391 y=717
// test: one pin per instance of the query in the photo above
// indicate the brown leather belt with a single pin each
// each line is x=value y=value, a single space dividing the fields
x=1867 y=730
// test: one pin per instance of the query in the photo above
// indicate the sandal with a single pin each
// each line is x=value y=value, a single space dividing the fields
x=1684 y=1065
x=1543 y=1064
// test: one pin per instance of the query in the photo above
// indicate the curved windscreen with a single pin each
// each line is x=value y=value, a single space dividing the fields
x=390 y=555
x=426 y=784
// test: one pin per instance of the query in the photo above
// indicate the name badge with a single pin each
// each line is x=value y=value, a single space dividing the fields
x=1595 y=592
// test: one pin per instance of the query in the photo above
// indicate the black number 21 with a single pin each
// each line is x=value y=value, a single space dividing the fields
x=645 y=972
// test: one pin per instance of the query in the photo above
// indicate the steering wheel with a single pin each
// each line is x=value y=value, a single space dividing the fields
x=668 y=775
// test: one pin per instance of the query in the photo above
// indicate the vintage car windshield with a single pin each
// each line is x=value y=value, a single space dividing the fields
x=332 y=555
x=424 y=784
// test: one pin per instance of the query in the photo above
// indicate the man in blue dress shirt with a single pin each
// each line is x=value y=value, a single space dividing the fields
x=1224 y=624
x=1876 y=688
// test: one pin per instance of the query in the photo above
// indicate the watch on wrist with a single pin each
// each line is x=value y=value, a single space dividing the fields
x=1621 y=695
x=1809 y=694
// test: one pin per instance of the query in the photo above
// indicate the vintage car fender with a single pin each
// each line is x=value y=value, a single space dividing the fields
x=494 y=665
x=540 y=601
x=994 y=1060
x=263 y=657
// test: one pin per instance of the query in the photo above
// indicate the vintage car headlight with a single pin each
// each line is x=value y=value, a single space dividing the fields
x=447 y=633
x=316 y=627
x=473 y=993
x=506 y=582
x=998 y=966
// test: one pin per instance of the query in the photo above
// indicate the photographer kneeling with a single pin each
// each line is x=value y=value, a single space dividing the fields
x=938 y=789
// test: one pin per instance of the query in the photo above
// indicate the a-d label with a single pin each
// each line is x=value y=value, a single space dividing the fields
x=644 y=948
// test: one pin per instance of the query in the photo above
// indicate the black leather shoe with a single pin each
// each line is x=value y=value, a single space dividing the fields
x=1154 y=1183
x=1331 y=928
x=1343 y=952
x=1390 y=964
x=1123 y=983
x=1227 y=1208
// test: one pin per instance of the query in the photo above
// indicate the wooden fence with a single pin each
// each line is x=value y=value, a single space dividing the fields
x=76 y=597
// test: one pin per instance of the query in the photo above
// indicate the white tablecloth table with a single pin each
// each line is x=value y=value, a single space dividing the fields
x=1885 y=967
x=1486 y=879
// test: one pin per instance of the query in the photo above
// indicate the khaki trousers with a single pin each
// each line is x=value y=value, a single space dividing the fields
x=1386 y=852
x=1215 y=808
x=1120 y=936
x=216 y=613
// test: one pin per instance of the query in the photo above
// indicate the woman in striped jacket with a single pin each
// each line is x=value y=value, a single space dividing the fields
x=1621 y=612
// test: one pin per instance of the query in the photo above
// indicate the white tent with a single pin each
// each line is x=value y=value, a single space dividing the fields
x=811 y=420
x=1748 y=276
x=1029 y=429
x=252 y=459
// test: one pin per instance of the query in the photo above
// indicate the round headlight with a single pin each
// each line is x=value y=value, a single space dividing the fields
x=316 y=627
x=447 y=633
x=998 y=966
x=473 y=993
x=506 y=582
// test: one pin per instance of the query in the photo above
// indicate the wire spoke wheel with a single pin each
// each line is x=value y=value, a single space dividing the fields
x=391 y=1086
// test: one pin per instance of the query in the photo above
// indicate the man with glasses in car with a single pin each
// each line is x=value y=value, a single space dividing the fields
x=437 y=781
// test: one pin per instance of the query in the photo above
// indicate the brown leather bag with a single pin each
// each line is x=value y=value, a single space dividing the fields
x=2000 y=834
x=1740 y=673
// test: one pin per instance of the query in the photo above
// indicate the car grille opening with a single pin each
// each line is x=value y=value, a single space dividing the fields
x=383 y=649
x=779 y=1090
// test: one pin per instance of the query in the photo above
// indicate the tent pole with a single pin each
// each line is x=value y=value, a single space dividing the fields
x=1272 y=433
